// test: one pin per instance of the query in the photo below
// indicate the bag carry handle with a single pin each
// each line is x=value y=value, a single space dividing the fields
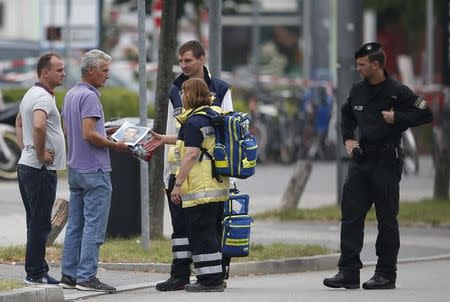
x=234 y=190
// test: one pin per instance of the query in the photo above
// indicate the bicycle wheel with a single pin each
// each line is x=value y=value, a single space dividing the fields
x=8 y=166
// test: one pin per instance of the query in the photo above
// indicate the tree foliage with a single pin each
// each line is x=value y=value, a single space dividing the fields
x=411 y=13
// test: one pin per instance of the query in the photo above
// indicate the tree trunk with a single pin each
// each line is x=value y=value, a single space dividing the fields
x=198 y=23
x=296 y=185
x=60 y=214
x=166 y=58
x=442 y=162
x=441 y=177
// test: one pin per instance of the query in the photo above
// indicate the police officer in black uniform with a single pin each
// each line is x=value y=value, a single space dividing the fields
x=382 y=109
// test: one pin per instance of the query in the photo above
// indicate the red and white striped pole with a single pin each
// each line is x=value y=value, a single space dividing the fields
x=157 y=7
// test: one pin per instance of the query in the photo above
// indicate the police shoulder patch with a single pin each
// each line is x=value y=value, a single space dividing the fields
x=420 y=103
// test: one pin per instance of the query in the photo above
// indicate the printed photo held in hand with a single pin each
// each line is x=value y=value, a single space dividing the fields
x=130 y=134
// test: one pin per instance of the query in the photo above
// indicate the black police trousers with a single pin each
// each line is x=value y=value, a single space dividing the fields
x=371 y=181
x=182 y=248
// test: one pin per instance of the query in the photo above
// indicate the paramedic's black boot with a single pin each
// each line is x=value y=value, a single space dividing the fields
x=172 y=284
x=198 y=287
x=379 y=282
x=343 y=279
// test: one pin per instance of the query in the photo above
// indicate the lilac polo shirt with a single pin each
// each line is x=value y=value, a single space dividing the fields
x=80 y=102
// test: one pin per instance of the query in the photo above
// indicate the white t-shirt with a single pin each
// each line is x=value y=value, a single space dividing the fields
x=37 y=98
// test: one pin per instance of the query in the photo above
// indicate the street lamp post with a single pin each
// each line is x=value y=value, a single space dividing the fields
x=145 y=214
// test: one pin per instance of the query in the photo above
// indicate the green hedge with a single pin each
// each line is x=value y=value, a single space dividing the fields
x=117 y=102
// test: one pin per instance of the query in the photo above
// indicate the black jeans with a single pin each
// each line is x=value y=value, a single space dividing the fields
x=38 y=191
x=371 y=181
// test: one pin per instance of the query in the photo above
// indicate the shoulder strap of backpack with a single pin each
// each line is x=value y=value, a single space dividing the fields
x=215 y=117
x=215 y=174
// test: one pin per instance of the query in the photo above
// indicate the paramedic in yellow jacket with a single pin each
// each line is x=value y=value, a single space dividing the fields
x=200 y=194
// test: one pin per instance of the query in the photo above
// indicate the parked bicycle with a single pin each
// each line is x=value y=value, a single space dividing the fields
x=294 y=122
x=272 y=127
x=9 y=150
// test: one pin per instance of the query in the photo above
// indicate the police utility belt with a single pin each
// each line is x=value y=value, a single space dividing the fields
x=381 y=151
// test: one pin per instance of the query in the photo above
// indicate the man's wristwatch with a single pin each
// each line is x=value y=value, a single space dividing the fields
x=178 y=185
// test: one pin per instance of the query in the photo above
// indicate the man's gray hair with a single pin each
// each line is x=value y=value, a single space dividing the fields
x=93 y=58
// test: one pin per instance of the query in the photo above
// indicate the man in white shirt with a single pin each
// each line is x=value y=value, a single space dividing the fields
x=41 y=138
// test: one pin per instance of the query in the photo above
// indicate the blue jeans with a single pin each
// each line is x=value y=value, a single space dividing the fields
x=89 y=203
x=38 y=191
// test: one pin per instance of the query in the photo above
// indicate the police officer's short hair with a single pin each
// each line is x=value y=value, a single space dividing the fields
x=194 y=46
x=374 y=51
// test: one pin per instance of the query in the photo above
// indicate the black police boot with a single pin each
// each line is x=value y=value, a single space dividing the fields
x=379 y=282
x=343 y=279
x=172 y=284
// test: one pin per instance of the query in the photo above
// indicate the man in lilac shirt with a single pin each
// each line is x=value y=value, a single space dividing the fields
x=89 y=175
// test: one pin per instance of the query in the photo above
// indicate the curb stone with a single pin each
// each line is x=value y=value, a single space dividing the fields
x=416 y=259
x=33 y=294
x=282 y=266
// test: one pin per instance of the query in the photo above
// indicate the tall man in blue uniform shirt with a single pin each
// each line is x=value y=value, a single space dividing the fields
x=382 y=109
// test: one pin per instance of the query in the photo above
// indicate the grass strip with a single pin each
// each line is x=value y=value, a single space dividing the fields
x=131 y=251
x=428 y=211
x=8 y=284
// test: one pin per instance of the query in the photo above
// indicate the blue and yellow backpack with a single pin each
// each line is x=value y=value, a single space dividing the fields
x=236 y=150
